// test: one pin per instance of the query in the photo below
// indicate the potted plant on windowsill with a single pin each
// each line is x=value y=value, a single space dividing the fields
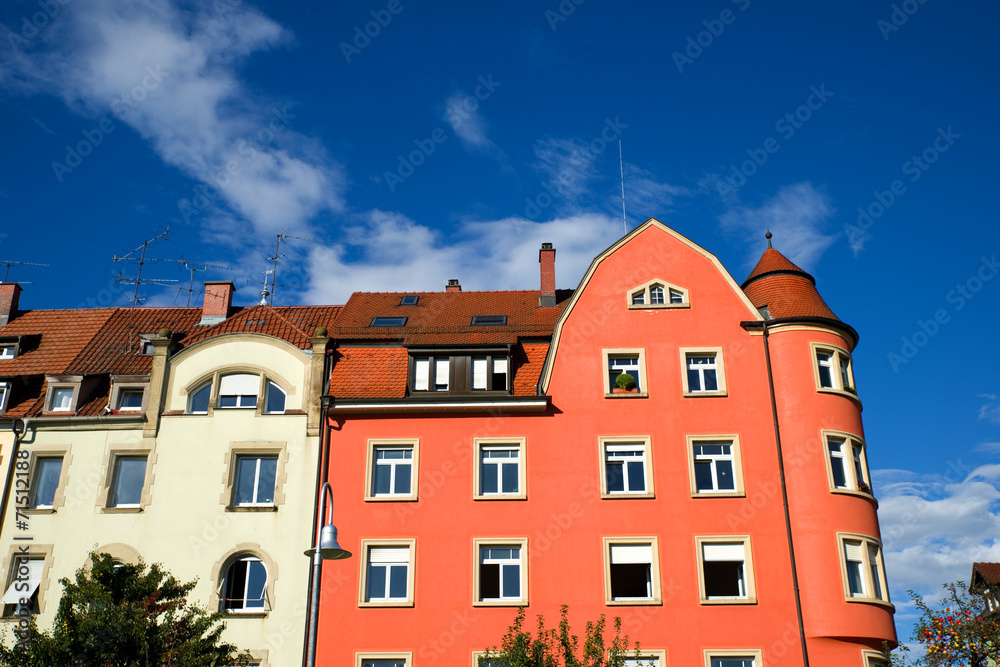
x=864 y=488
x=851 y=390
x=625 y=384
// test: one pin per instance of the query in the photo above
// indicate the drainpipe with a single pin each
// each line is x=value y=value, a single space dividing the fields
x=322 y=470
x=784 y=489
x=8 y=488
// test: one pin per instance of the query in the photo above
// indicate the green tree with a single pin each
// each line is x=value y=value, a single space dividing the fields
x=556 y=647
x=124 y=616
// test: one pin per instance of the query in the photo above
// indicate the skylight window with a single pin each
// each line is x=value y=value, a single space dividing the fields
x=388 y=322
x=489 y=320
x=409 y=300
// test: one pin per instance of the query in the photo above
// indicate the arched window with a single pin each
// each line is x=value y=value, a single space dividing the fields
x=274 y=399
x=200 y=397
x=244 y=586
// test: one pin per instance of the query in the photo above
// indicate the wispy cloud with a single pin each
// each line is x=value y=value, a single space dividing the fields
x=566 y=164
x=990 y=410
x=386 y=251
x=170 y=72
x=462 y=114
x=797 y=216
x=648 y=197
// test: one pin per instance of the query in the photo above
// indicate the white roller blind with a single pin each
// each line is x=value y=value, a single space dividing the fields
x=727 y=552
x=622 y=554
x=441 y=372
x=853 y=551
x=389 y=555
x=499 y=365
x=34 y=577
x=421 y=372
x=479 y=373
x=239 y=384
x=872 y=554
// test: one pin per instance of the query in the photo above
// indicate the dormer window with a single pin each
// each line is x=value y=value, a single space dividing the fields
x=658 y=294
x=4 y=391
x=130 y=399
x=388 y=322
x=461 y=371
x=128 y=393
x=8 y=350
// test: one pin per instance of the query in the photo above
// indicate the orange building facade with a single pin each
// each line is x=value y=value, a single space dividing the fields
x=628 y=448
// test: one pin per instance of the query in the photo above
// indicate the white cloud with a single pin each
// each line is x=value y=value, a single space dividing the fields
x=990 y=410
x=935 y=526
x=646 y=197
x=171 y=75
x=389 y=252
x=567 y=165
x=796 y=216
x=462 y=114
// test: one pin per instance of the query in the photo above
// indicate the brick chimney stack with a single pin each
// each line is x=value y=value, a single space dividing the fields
x=218 y=301
x=547 y=262
x=10 y=294
x=453 y=286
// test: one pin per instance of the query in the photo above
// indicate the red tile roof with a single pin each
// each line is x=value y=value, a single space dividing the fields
x=989 y=572
x=293 y=324
x=785 y=289
x=369 y=372
x=445 y=318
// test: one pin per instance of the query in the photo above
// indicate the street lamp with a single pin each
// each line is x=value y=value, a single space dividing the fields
x=326 y=549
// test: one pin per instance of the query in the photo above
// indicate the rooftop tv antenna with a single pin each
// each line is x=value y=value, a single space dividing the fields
x=274 y=267
x=130 y=257
x=198 y=266
x=621 y=169
x=12 y=262
x=264 y=293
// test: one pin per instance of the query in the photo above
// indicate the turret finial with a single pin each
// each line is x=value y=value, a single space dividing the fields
x=768 y=237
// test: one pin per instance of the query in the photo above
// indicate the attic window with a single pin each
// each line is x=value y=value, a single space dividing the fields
x=388 y=322
x=3 y=397
x=409 y=300
x=8 y=350
x=252 y=322
x=489 y=320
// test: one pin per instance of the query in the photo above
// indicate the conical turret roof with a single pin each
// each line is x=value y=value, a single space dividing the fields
x=784 y=289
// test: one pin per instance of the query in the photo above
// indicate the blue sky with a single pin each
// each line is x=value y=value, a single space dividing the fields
x=414 y=142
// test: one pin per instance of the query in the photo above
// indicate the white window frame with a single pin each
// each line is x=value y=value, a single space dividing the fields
x=361 y=658
x=608 y=446
x=874 y=659
x=736 y=456
x=26 y=569
x=645 y=293
x=224 y=582
x=480 y=543
x=413 y=444
x=655 y=597
x=647 y=658
x=838 y=357
x=366 y=546
x=114 y=479
x=127 y=383
x=757 y=655
x=259 y=457
x=719 y=366
x=481 y=445
x=851 y=456
x=8 y=350
x=36 y=463
x=749 y=594
x=490 y=364
x=607 y=355
x=870 y=585
x=269 y=386
x=240 y=397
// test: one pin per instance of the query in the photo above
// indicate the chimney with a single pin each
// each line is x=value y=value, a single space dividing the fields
x=218 y=301
x=453 y=286
x=10 y=294
x=547 y=260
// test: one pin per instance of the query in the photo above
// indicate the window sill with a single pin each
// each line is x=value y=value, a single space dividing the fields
x=229 y=613
x=840 y=392
x=39 y=510
x=401 y=603
x=719 y=494
x=500 y=603
x=854 y=492
x=704 y=394
x=121 y=510
x=633 y=602
x=715 y=601
x=874 y=601
x=657 y=306
x=626 y=496
x=386 y=499
x=251 y=508
x=500 y=496
x=634 y=394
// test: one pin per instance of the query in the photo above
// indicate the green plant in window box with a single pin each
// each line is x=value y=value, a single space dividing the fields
x=850 y=389
x=864 y=488
x=625 y=384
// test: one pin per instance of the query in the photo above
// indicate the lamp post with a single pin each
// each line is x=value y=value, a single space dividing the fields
x=326 y=549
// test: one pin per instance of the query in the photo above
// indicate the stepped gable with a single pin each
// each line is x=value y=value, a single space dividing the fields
x=785 y=289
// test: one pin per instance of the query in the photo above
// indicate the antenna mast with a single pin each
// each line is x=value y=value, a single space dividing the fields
x=12 y=262
x=142 y=260
x=621 y=169
x=274 y=268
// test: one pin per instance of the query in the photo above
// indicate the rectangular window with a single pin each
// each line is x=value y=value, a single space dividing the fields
x=239 y=390
x=734 y=661
x=864 y=573
x=8 y=351
x=489 y=320
x=623 y=365
x=656 y=294
x=629 y=362
x=489 y=373
x=128 y=481
x=704 y=372
x=632 y=571
x=45 y=481
x=462 y=372
x=501 y=576
x=388 y=322
x=130 y=399
x=500 y=470
x=409 y=300
x=833 y=368
x=3 y=397
x=627 y=468
x=22 y=587
x=393 y=472
x=716 y=466
x=383 y=660
x=848 y=465
x=726 y=574
x=61 y=399
x=387 y=573
x=254 y=484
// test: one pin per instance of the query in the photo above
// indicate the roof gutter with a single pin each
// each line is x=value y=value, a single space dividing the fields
x=763 y=326
x=821 y=321
x=526 y=404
